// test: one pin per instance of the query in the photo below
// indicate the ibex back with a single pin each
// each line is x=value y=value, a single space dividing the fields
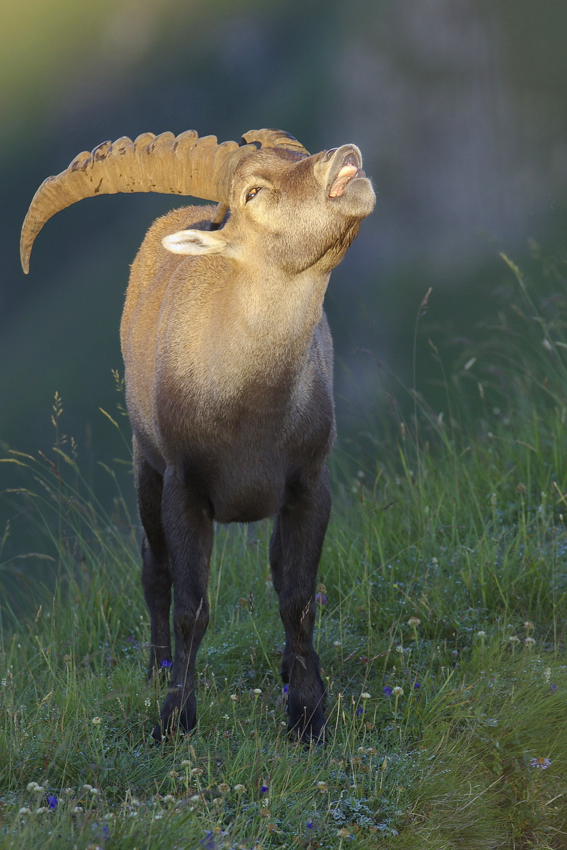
x=229 y=371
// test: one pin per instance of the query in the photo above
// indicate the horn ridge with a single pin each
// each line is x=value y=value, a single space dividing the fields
x=169 y=164
x=274 y=139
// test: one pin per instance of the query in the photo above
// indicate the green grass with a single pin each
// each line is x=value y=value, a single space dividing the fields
x=444 y=574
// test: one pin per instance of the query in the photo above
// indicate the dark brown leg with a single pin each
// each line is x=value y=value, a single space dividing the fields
x=156 y=575
x=188 y=530
x=295 y=551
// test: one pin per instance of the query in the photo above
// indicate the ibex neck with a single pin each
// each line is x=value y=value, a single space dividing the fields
x=270 y=324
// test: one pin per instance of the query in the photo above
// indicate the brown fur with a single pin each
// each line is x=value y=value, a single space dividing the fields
x=228 y=359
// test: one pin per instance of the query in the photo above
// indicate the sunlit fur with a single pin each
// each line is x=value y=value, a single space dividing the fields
x=229 y=367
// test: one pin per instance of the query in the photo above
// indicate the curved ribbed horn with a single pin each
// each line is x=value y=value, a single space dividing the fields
x=182 y=165
x=274 y=139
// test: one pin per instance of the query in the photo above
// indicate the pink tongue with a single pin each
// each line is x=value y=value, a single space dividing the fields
x=346 y=174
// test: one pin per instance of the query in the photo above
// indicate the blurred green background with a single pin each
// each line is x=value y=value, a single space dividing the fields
x=459 y=108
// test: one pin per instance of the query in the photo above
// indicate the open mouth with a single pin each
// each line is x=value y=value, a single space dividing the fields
x=349 y=169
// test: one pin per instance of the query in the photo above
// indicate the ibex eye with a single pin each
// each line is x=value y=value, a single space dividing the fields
x=251 y=194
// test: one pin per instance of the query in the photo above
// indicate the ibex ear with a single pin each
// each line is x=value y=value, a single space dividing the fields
x=195 y=242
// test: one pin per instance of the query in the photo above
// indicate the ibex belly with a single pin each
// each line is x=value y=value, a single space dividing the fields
x=247 y=479
x=247 y=492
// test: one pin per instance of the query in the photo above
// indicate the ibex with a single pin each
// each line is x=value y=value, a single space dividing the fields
x=229 y=372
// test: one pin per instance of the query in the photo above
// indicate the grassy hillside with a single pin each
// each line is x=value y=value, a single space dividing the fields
x=441 y=631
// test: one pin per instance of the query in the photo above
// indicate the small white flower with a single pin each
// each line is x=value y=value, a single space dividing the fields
x=185 y=763
x=77 y=810
x=147 y=702
x=240 y=789
x=24 y=811
x=233 y=697
x=514 y=639
x=195 y=798
x=336 y=643
x=547 y=674
x=41 y=810
x=529 y=641
x=32 y=786
x=481 y=634
x=257 y=691
x=169 y=798
x=365 y=695
x=96 y=721
x=225 y=717
x=158 y=816
x=95 y=792
x=87 y=787
x=397 y=691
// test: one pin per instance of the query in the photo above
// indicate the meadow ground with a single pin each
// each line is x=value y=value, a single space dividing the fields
x=441 y=631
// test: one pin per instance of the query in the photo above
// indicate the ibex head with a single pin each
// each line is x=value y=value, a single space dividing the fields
x=308 y=205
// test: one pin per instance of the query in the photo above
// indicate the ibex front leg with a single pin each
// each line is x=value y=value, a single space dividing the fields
x=188 y=531
x=295 y=550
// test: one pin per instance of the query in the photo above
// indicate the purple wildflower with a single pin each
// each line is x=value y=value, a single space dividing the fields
x=285 y=689
x=166 y=664
x=264 y=789
x=105 y=831
x=553 y=687
x=52 y=801
x=540 y=762
x=417 y=685
x=387 y=690
x=208 y=841
x=321 y=598
x=309 y=824
x=359 y=711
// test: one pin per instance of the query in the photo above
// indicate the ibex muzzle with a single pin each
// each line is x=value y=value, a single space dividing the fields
x=229 y=372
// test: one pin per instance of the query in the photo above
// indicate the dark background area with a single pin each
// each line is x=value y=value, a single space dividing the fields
x=459 y=108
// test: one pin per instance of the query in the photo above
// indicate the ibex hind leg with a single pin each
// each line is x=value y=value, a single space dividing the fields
x=295 y=551
x=156 y=574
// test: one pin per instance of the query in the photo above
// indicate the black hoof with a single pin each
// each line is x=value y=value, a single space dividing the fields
x=158 y=735
x=311 y=732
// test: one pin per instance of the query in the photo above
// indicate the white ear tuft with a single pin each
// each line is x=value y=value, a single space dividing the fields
x=194 y=242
